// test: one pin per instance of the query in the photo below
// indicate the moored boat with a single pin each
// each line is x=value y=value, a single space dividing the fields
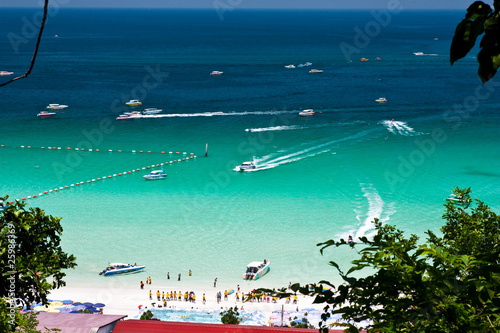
x=290 y=66
x=56 y=106
x=216 y=73
x=245 y=166
x=313 y=71
x=156 y=174
x=381 y=100
x=118 y=268
x=133 y=102
x=457 y=198
x=256 y=270
x=45 y=114
x=306 y=113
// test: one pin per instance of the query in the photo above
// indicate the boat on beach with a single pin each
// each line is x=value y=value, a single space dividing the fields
x=245 y=166
x=45 y=114
x=156 y=174
x=133 y=102
x=256 y=270
x=307 y=113
x=118 y=268
x=56 y=106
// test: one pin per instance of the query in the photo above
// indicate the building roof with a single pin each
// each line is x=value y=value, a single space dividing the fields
x=156 y=326
x=75 y=322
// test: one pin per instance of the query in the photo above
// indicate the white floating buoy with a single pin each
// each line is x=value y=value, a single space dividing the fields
x=110 y=150
x=61 y=188
x=133 y=151
x=170 y=152
x=93 y=180
x=114 y=175
x=90 y=149
x=50 y=190
x=58 y=148
x=77 y=149
x=22 y=146
x=72 y=185
x=184 y=153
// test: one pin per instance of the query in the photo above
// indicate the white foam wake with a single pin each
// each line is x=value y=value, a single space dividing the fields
x=216 y=113
x=274 y=128
x=399 y=127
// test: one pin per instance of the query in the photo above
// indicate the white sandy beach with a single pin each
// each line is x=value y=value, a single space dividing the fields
x=124 y=300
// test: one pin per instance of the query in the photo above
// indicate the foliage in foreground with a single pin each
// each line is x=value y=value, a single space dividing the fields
x=231 y=316
x=31 y=258
x=480 y=18
x=449 y=284
x=147 y=315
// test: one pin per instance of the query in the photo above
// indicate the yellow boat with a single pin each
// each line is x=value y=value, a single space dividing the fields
x=133 y=102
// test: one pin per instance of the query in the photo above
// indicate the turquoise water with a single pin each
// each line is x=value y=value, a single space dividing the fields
x=318 y=178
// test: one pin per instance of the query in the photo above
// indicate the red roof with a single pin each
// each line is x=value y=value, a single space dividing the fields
x=75 y=322
x=153 y=326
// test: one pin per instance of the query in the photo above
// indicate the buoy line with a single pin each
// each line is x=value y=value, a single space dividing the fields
x=93 y=180
x=98 y=150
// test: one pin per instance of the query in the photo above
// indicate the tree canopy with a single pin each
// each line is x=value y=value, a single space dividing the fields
x=449 y=284
x=480 y=18
x=32 y=260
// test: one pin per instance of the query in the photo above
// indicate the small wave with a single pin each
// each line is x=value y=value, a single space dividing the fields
x=399 y=127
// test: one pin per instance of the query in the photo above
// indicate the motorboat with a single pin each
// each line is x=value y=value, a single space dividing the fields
x=118 y=268
x=312 y=71
x=457 y=198
x=45 y=114
x=364 y=59
x=381 y=100
x=125 y=117
x=256 y=270
x=418 y=53
x=307 y=113
x=133 y=102
x=308 y=64
x=290 y=66
x=245 y=166
x=249 y=130
x=216 y=73
x=5 y=73
x=156 y=174
x=151 y=111
x=56 y=106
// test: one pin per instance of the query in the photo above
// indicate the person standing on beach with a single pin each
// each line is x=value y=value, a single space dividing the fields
x=142 y=285
x=204 y=299
x=179 y=278
x=238 y=288
x=168 y=275
x=215 y=282
x=150 y=296
x=189 y=272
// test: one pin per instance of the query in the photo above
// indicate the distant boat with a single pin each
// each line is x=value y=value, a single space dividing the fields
x=245 y=166
x=151 y=111
x=216 y=73
x=56 y=106
x=312 y=71
x=156 y=174
x=290 y=66
x=117 y=268
x=249 y=130
x=306 y=113
x=4 y=73
x=418 y=53
x=457 y=198
x=381 y=100
x=256 y=270
x=378 y=59
x=45 y=114
x=364 y=59
x=133 y=102
x=308 y=63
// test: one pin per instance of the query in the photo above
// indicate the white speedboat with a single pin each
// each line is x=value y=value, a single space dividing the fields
x=249 y=130
x=118 y=268
x=216 y=73
x=56 y=106
x=156 y=174
x=245 y=166
x=457 y=198
x=307 y=113
x=256 y=270
x=125 y=117
x=45 y=114
x=151 y=111
x=418 y=53
x=381 y=100
x=290 y=66
x=312 y=71
x=308 y=64
x=5 y=73
x=133 y=102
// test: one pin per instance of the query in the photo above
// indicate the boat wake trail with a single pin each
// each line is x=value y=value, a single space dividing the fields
x=275 y=128
x=377 y=208
x=218 y=113
x=399 y=127
x=291 y=155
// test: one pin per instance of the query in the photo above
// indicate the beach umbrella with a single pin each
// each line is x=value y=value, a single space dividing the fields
x=77 y=303
x=88 y=304
x=99 y=305
x=67 y=302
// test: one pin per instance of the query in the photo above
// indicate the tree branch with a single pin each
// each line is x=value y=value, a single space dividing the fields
x=46 y=5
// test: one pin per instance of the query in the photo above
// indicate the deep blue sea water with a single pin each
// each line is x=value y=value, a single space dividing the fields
x=321 y=177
